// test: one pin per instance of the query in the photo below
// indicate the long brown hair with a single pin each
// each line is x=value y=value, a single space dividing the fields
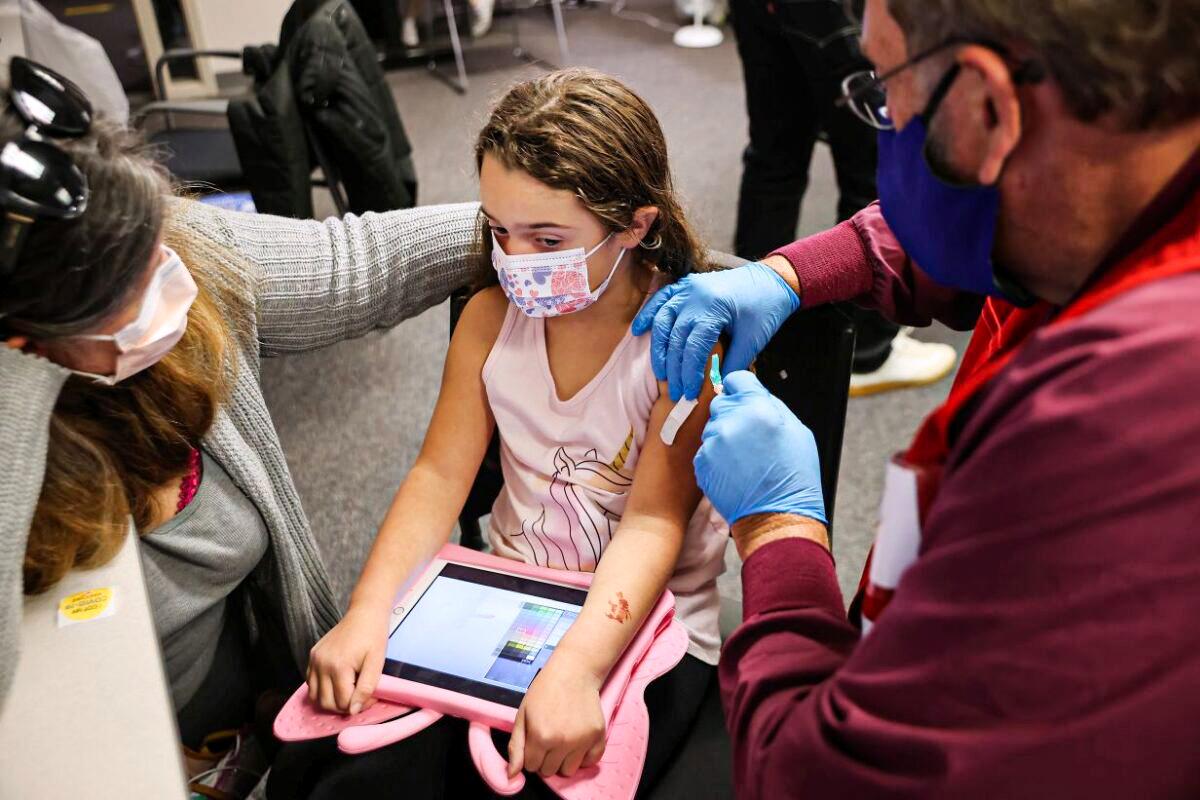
x=110 y=448
x=585 y=132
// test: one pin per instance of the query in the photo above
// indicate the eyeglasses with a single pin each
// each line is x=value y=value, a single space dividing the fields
x=864 y=93
x=38 y=179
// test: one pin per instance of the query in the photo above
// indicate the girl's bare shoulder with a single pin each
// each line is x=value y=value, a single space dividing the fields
x=483 y=316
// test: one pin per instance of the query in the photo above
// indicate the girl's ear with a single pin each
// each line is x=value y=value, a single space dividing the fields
x=643 y=218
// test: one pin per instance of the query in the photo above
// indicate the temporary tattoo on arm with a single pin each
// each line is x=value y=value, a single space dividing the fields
x=618 y=609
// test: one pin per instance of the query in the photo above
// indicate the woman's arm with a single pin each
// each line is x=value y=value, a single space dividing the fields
x=29 y=387
x=317 y=283
x=345 y=665
x=556 y=734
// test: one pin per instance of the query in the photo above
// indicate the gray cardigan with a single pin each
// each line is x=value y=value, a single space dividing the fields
x=306 y=285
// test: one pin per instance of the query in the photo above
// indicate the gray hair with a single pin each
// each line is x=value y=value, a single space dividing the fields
x=1136 y=60
x=73 y=274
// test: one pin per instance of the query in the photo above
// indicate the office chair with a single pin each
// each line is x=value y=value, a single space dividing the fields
x=196 y=154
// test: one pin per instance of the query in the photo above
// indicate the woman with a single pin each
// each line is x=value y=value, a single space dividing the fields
x=129 y=388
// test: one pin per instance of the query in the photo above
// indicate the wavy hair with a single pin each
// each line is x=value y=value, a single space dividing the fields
x=585 y=132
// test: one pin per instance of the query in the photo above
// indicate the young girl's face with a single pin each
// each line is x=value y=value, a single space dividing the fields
x=527 y=216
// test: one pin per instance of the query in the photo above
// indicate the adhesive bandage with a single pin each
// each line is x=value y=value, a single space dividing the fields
x=683 y=409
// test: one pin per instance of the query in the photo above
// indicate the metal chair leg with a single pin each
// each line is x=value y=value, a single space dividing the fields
x=560 y=30
x=517 y=50
x=456 y=45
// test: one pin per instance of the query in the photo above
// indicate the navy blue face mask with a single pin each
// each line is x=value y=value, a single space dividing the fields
x=948 y=229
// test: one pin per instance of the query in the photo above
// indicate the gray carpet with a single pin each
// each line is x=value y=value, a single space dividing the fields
x=352 y=416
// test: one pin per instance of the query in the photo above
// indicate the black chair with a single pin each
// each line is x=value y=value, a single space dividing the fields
x=195 y=153
x=205 y=156
x=806 y=365
x=318 y=101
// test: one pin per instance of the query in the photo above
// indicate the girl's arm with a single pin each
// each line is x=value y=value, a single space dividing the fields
x=345 y=665
x=554 y=733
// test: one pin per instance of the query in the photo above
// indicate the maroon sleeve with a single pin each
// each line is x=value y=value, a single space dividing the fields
x=1044 y=644
x=860 y=261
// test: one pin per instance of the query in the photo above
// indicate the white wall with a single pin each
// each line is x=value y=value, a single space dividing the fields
x=233 y=24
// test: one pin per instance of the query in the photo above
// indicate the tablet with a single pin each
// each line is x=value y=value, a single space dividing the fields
x=480 y=632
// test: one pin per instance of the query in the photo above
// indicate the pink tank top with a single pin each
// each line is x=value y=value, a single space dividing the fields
x=569 y=465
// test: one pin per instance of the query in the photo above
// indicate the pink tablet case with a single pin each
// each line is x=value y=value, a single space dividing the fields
x=655 y=649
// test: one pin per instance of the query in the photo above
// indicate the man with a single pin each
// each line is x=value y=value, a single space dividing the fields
x=1027 y=624
x=795 y=55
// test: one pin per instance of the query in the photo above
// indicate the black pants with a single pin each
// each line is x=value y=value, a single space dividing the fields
x=225 y=698
x=792 y=81
x=248 y=682
x=437 y=764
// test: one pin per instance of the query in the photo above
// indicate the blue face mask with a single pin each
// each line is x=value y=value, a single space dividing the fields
x=949 y=230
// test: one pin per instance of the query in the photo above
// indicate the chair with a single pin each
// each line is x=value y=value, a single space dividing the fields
x=449 y=15
x=807 y=365
x=318 y=100
x=203 y=154
x=207 y=155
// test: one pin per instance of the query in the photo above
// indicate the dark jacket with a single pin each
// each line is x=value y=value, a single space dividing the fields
x=321 y=99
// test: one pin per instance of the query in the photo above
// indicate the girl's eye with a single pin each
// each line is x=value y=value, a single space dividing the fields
x=549 y=242
x=499 y=231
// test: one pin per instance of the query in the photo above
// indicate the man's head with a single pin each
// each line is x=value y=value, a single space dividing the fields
x=1074 y=155
x=1131 y=62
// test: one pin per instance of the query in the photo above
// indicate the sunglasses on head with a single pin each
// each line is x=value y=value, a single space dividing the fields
x=38 y=179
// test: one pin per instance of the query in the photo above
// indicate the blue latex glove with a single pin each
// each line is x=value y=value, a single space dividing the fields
x=687 y=316
x=755 y=457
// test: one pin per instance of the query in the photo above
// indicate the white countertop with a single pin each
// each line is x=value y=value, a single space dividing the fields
x=89 y=714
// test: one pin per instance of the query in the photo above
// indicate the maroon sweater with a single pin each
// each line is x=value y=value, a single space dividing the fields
x=1044 y=643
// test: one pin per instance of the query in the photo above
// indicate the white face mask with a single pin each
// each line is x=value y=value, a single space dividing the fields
x=159 y=325
x=549 y=284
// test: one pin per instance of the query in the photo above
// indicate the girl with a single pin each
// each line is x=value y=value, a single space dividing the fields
x=582 y=224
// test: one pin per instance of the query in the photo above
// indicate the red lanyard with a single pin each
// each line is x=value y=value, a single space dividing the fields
x=1003 y=329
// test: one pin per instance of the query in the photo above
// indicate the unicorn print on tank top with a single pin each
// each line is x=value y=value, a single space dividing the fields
x=569 y=467
x=578 y=510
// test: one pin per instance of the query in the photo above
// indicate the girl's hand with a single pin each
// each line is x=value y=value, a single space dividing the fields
x=344 y=667
x=560 y=726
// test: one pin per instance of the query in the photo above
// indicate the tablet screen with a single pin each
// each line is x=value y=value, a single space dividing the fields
x=482 y=633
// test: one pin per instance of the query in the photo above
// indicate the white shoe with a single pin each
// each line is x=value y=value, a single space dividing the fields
x=911 y=363
x=409 y=35
x=482 y=13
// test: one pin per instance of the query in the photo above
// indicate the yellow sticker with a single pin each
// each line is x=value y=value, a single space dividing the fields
x=87 y=605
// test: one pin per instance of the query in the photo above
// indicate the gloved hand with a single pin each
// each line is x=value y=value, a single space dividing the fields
x=755 y=457
x=752 y=302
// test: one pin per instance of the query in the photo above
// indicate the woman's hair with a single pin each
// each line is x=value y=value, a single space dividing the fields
x=587 y=133
x=110 y=448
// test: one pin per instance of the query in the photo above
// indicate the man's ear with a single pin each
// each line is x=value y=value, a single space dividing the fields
x=1001 y=115
x=643 y=218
